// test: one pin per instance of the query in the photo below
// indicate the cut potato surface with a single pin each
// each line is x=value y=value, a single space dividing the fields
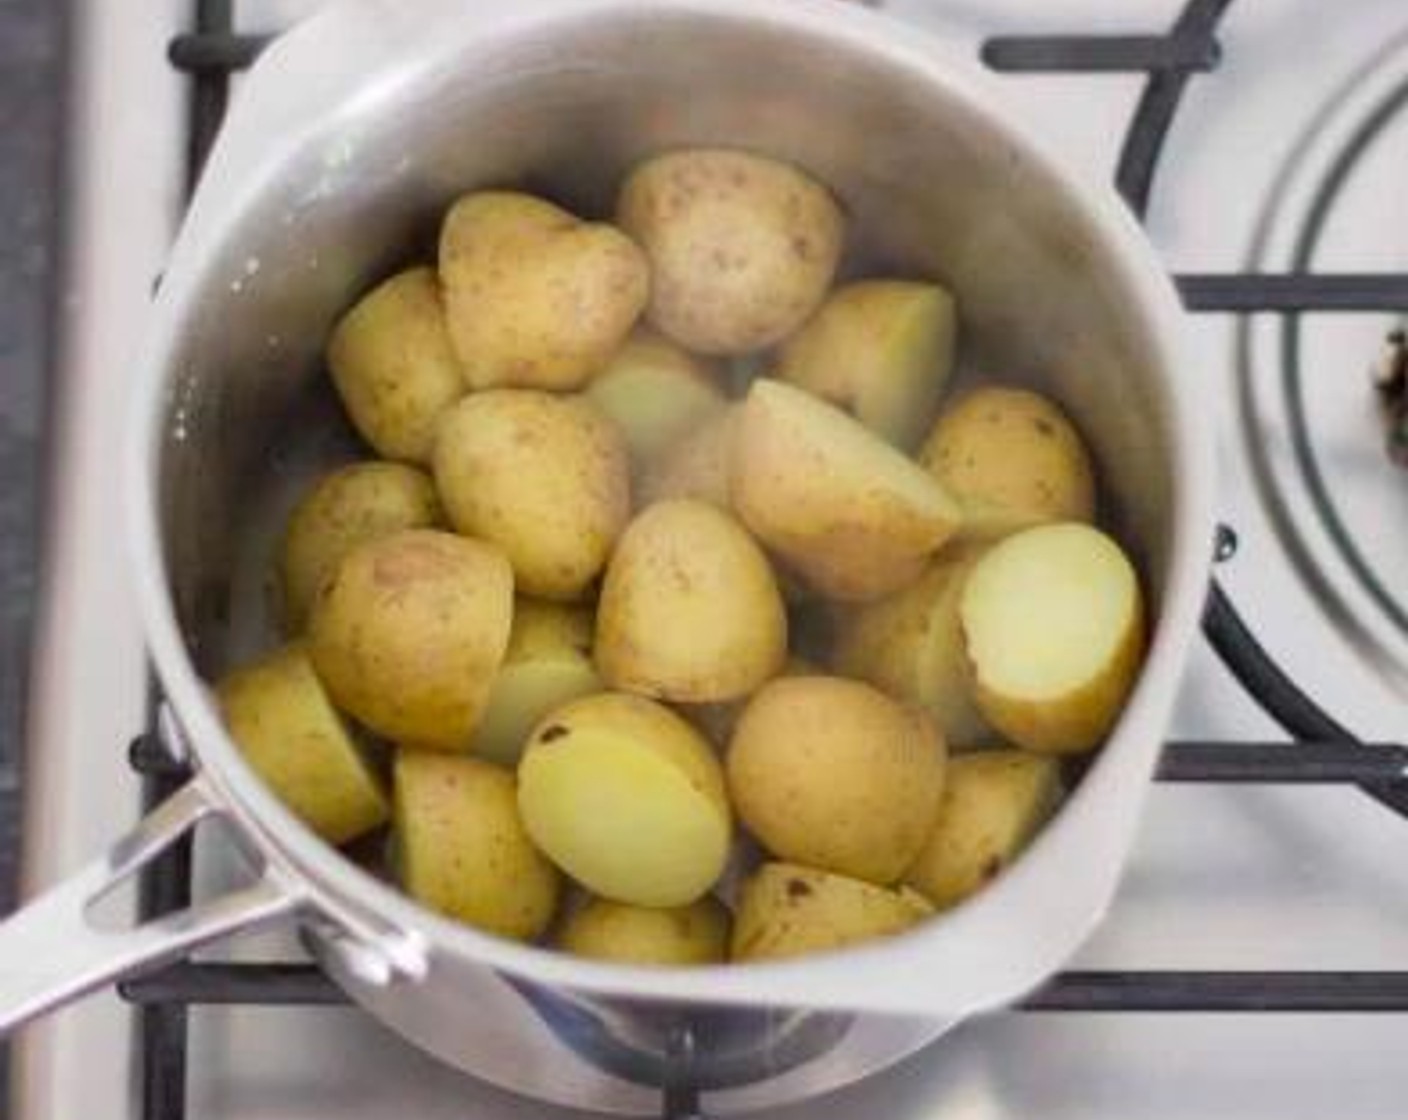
x=628 y=799
x=1054 y=624
x=852 y=515
x=682 y=935
x=993 y=803
x=288 y=731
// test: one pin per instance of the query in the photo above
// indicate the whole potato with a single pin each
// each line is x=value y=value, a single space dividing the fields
x=628 y=799
x=461 y=847
x=656 y=393
x=536 y=298
x=1053 y=620
x=546 y=478
x=882 y=350
x=1012 y=459
x=409 y=632
x=742 y=248
x=350 y=505
x=683 y=935
x=689 y=609
x=834 y=774
x=393 y=365
x=287 y=730
x=993 y=803
x=548 y=662
x=697 y=466
x=910 y=645
x=853 y=516
x=788 y=911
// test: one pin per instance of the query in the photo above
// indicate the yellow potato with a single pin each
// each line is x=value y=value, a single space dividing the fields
x=288 y=731
x=1054 y=624
x=882 y=350
x=910 y=645
x=742 y=248
x=546 y=478
x=628 y=799
x=535 y=297
x=656 y=393
x=852 y=515
x=461 y=847
x=393 y=365
x=548 y=663
x=787 y=911
x=343 y=509
x=409 y=632
x=689 y=609
x=1012 y=459
x=993 y=804
x=697 y=466
x=613 y=931
x=832 y=773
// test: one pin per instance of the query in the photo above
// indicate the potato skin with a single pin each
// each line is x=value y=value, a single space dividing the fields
x=833 y=774
x=993 y=804
x=535 y=297
x=698 y=466
x=462 y=848
x=546 y=478
x=1013 y=459
x=611 y=931
x=393 y=365
x=690 y=610
x=409 y=632
x=742 y=248
x=344 y=508
x=288 y=731
x=786 y=910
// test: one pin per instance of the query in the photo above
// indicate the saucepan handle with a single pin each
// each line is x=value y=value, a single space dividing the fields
x=52 y=952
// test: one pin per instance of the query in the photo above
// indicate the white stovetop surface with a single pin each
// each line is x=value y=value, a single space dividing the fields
x=1222 y=878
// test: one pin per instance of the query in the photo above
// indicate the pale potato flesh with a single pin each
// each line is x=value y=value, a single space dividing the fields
x=882 y=350
x=461 y=848
x=690 y=610
x=353 y=504
x=393 y=365
x=628 y=799
x=1054 y=625
x=288 y=731
x=409 y=632
x=852 y=515
x=786 y=910
x=536 y=298
x=993 y=804
x=1012 y=459
x=683 y=935
x=698 y=466
x=545 y=478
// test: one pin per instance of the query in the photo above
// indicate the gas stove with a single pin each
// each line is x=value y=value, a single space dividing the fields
x=1254 y=962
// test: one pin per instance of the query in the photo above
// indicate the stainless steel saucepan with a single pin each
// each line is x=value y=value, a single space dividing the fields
x=344 y=146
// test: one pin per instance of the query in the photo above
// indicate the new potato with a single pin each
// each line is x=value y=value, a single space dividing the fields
x=351 y=505
x=545 y=478
x=628 y=799
x=409 y=632
x=855 y=517
x=682 y=935
x=535 y=297
x=742 y=248
x=393 y=365
x=833 y=774
x=461 y=847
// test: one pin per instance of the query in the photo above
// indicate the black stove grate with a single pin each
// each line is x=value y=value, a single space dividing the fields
x=1319 y=749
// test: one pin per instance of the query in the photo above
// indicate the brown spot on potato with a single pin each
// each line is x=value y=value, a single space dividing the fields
x=1043 y=425
x=410 y=562
x=990 y=869
x=553 y=733
x=798 y=888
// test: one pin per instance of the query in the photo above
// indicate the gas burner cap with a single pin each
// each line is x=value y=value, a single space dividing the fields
x=1321 y=432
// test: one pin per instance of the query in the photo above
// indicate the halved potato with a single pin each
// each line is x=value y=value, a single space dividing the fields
x=786 y=910
x=1054 y=624
x=882 y=350
x=993 y=804
x=852 y=515
x=628 y=799
x=682 y=935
